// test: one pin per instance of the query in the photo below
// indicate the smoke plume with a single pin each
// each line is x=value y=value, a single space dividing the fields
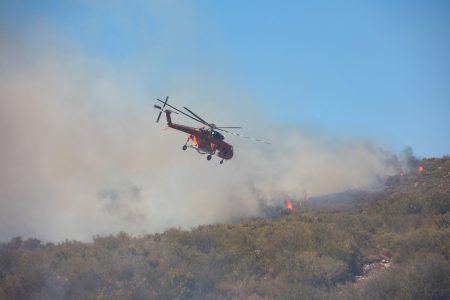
x=81 y=154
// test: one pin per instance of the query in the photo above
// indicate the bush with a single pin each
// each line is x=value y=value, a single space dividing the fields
x=420 y=278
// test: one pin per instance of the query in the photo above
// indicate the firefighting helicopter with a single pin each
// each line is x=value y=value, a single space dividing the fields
x=207 y=139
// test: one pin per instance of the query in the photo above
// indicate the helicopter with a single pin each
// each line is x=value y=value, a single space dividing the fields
x=208 y=139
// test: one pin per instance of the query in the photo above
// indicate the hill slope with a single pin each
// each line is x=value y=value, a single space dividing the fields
x=393 y=244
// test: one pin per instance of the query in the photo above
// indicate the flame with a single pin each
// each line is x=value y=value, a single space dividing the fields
x=288 y=204
x=420 y=169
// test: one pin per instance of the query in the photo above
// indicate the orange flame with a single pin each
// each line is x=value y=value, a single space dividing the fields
x=288 y=204
x=420 y=169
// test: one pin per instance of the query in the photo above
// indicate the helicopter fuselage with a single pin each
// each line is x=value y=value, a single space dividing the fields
x=204 y=140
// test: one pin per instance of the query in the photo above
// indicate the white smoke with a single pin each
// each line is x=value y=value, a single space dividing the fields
x=81 y=154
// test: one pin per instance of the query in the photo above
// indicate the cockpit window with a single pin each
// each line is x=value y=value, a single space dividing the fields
x=218 y=135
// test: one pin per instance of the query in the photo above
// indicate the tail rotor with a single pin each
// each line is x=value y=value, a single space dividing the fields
x=161 y=108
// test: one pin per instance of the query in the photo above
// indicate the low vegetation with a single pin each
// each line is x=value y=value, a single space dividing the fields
x=316 y=252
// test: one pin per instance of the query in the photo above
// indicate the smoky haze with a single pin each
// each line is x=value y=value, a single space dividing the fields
x=81 y=154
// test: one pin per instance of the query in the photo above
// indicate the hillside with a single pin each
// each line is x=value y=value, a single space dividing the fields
x=393 y=244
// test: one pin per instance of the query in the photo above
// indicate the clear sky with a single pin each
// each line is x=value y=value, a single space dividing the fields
x=372 y=69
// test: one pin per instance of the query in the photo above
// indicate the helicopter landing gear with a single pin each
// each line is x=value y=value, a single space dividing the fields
x=184 y=147
x=209 y=157
x=221 y=162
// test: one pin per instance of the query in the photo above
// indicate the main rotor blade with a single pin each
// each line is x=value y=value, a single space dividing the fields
x=213 y=126
x=182 y=112
x=206 y=123
x=245 y=137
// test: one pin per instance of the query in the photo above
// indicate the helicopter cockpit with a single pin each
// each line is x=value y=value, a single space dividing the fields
x=218 y=136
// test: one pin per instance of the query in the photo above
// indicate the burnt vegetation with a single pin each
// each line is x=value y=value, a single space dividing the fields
x=321 y=251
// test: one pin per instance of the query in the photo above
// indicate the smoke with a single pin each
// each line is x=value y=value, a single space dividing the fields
x=124 y=201
x=81 y=154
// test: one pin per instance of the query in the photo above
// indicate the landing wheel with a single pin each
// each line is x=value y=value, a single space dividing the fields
x=184 y=147
x=208 y=157
x=221 y=162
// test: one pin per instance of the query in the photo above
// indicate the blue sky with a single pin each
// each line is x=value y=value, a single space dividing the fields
x=365 y=69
